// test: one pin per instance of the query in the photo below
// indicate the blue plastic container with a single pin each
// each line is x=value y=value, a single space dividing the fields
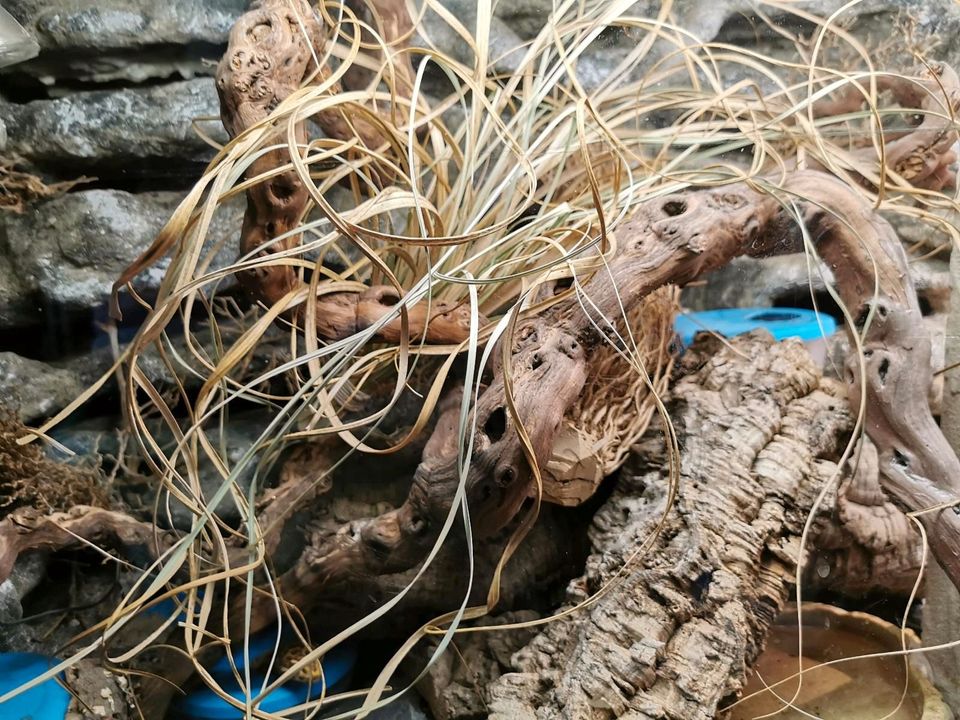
x=47 y=701
x=261 y=645
x=205 y=704
x=782 y=323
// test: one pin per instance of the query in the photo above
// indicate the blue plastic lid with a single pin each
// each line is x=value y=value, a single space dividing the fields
x=205 y=704
x=781 y=322
x=261 y=644
x=46 y=701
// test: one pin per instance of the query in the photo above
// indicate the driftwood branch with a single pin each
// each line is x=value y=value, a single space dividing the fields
x=922 y=155
x=270 y=55
x=82 y=527
x=864 y=543
x=670 y=240
x=675 y=240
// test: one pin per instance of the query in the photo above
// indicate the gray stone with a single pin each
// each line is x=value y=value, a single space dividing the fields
x=26 y=575
x=70 y=250
x=733 y=22
x=117 y=128
x=786 y=280
x=28 y=572
x=406 y=708
x=80 y=24
x=37 y=388
x=97 y=437
x=505 y=45
x=240 y=434
x=88 y=438
x=528 y=17
x=125 y=39
x=16 y=306
x=15 y=637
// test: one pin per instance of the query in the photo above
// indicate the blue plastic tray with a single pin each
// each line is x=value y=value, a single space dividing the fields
x=205 y=704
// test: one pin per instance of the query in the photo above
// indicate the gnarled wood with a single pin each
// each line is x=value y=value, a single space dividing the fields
x=923 y=156
x=669 y=240
x=270 y=54
x=676 y=239
x=83 y=526
x=395 y=26
x=864 y=543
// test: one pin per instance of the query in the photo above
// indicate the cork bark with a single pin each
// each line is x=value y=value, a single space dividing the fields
x=760 y=433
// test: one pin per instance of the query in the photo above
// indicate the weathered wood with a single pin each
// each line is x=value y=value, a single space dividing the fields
x=676 y=239
x=82 y=526
x=269 y=56
x=670 y=240
x=760 y=433
x=922 y=156
x=864 y=543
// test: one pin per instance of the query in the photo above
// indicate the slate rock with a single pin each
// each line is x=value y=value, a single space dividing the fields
x=94 y=437
x=71 y=249
x=505 y=45
x=27 y=573
x=125 y=39
x=38 y=389
x=86 y=131
x=15 y=637
x=16 y=305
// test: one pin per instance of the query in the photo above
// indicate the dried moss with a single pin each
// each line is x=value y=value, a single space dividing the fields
x=18 y=188
x=28 y=478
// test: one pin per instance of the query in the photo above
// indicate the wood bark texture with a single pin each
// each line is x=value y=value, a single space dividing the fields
x=676 y=239
x=673 y=240
x=270 y=55
x=760 y=433
x=82 y=526
x=864 y=543
x=703 y=562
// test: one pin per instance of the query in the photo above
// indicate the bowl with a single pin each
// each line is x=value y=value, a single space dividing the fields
x=861 y=689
